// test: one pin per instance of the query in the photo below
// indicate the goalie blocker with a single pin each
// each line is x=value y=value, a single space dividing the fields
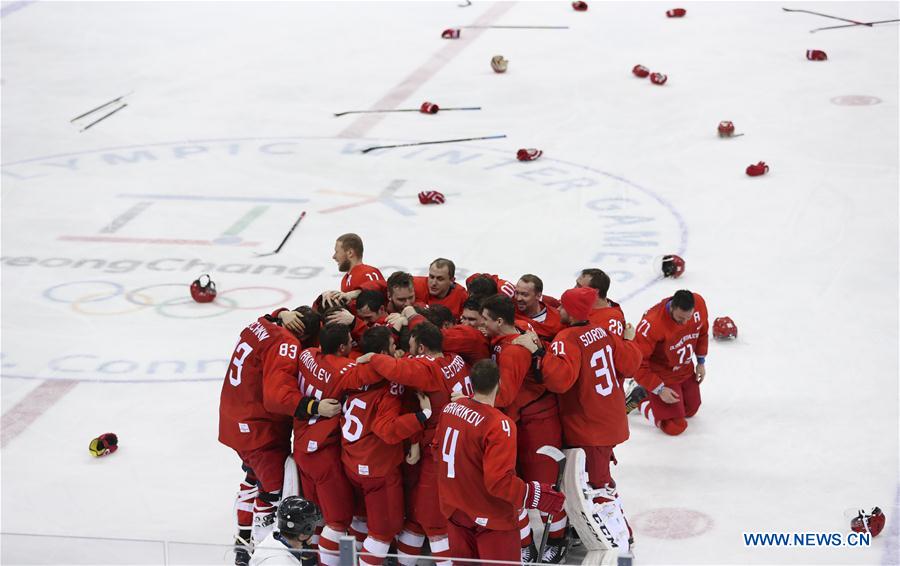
x=600 y=526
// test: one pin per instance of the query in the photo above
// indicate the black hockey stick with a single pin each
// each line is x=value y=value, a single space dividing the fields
x=336 y=114
x=827 y=16
x=466 y=5
x=104 y=117
x=517 y=27
x=368 y=149
x=560 y=459
x=91 y=111
x=288 y=235
x=870 y=24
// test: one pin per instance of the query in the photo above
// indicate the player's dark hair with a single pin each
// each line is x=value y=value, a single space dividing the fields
x=598 y=280
x=443 y=262
x=683 y=300
x=376 y=339
x=481 y=287
x=332 y=337
x=399 y=279
x=353 y=242
x=485 y=376
x=438 y=315
x=312 y=323
x=371 y=299
x=500 y=306
x=428 y=335
x=472 y=304
x=534 y=280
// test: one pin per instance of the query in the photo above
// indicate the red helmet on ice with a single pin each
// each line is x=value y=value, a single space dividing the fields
x=672 y=266
x=580 y=6
x=658 y=78
x=724 y=328
x=872 y=523
x=726 y=129
x=203 y=292
x=429 y=108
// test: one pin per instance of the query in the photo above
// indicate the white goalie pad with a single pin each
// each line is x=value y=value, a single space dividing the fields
x=600 y=526
x=291 y=479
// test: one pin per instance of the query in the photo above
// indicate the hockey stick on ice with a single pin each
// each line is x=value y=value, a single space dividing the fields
x=374 y=147
x=560 y=458
x=827 y=16
x=466 y=5
x=288 y=235
x=104 y=117
x=92 y=110
x=869 y=24
x=337 y=114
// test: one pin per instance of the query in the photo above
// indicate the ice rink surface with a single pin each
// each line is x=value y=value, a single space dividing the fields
x=228 y=135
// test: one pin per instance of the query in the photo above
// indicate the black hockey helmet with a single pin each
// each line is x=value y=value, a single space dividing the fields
x=297 y=516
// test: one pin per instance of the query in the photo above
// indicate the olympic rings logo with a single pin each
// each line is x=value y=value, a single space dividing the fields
x=97 y=297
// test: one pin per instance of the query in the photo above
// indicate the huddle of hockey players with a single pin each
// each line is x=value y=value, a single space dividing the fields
x=408 y=412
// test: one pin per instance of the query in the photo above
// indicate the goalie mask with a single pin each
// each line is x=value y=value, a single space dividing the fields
x=203 y=290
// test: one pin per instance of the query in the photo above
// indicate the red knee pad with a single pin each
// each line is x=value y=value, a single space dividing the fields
x=673 y=427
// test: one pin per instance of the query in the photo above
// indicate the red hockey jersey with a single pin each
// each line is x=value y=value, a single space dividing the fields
x=360 y=274
x=260 y=393
x=477 y=474
x=546 y=325
x=610 y=318
x=668 y=347
x=373 y=430
x=437 y=377
x=518 y=386
x=583 y=365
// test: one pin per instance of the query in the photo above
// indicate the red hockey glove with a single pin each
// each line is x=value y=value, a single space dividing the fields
x=676 y=13
x=759 y=169
x=872 y=523
x=528 y=154
x=641 y=71
x=543 y=497
x=658 y=78
x=106 y=443
x=450 y=33
x=431 y=197
x=816 y=55
x=429 y=108
x=580 y=6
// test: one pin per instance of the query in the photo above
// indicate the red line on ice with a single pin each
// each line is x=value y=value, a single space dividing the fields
x=364 y=123
x=36 y=403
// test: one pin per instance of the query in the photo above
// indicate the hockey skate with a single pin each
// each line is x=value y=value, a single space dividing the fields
x=242 y=548
x=556 y=551
x=529 y=553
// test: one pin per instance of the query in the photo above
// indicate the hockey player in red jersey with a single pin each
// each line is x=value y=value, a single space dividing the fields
x=531 y=309
x=478 y=489
x=440 y=287
x=373 y=431
x=439 y=376
x=526 y=400
x=259 y=398
x=670 y=335
x=582 y=365
x=605 y=312
x=348 y=254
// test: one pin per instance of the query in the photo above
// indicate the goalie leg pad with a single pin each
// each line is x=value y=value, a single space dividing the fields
x=600 y=526
x=291 y=485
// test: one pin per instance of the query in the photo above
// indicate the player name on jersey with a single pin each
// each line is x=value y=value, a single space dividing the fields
x=464 y=413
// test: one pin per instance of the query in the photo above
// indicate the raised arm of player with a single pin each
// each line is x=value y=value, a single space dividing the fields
x=466 y=341
x=561 y=365
x=412 y=372
x=514 y=362
x=499 y=463
x=390 y=425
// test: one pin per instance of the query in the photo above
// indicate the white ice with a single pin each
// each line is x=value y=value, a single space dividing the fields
x=234 y=101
